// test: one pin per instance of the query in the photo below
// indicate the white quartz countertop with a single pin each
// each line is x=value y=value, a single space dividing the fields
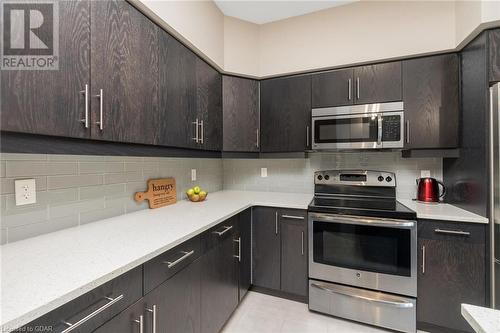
x=42 y=273
x=482 y=320
x=442 y=211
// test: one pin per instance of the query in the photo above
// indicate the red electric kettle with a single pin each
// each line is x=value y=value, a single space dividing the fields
x=428 y=190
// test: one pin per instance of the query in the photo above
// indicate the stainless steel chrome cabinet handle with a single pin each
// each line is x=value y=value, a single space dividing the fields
x=140 y=321
x=307 y=136
x=423 y=259
x=238 y=240
x=407 y=131
x=85 y=93
x=101 y=106
x=379 y=126
x=293 y=217
x=364 y=298
x=357 y=87
x=258 y=138
x=91 y=315
x=226 y=229
x=452 y=232
x=153 y=312
x=202 y=130
x=276 y=223
x=196 y=131
x=185 y=255
x=349 y=87
x=302 y=243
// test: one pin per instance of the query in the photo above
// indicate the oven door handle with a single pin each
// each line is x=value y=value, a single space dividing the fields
x=396 y=304
x=378 y=222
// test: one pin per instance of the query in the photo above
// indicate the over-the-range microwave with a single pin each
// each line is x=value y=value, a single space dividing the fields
x=368 y=126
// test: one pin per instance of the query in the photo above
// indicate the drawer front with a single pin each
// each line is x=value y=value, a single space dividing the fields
x=216 y=235
x=473 y=233
x=94 y=308
x=293 y=215
x=164 y=266
x=366 y=306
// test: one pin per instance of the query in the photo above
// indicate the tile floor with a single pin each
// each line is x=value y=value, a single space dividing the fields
x=259 y=313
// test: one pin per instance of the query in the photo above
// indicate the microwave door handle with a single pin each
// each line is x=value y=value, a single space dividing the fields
x=379 y=130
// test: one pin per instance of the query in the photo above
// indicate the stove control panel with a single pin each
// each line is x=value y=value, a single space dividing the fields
x=355 y=178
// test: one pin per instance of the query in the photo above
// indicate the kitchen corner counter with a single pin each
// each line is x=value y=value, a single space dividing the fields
x=42 y=273
x=442 y=211
x=481 y=319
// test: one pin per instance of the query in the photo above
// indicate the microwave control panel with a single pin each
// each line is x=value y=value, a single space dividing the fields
x=391 y=128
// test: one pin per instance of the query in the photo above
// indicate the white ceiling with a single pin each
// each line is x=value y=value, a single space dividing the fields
x=264 y=11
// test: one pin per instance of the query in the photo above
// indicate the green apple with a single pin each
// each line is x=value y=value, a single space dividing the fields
x=190 y=192
x=197 y=189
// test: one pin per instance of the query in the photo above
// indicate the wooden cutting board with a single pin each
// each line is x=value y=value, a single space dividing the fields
x=161 y=192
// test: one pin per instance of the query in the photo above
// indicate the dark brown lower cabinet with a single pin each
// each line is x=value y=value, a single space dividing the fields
x=451 y=272
x=128 y=321
x=294 y=252
x=280 y=250
x=245 y=252
x=219 y=284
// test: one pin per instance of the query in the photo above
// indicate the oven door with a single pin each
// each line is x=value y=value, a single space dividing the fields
x=372 y=253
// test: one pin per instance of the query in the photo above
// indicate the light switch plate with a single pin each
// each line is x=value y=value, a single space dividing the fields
x=263 y=172
x=193 y=175
x=25 y=191
x=425 y=173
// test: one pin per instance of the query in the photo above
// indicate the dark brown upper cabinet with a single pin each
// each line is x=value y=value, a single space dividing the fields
x=285 y=114
x=124 y=71
x=431 y=102
x=333 y=88
x=377 y=83
x=177 y=94
x=52 y=102
x=209 y=105
x=494 y=36
x=240 y=106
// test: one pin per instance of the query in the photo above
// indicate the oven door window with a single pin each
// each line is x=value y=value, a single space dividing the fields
x=340 y=130
x=366 y=248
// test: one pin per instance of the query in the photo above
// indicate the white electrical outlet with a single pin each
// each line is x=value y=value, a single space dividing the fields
x=193 y=175
x=425 y=173
x=263 y=172
x=25 y=192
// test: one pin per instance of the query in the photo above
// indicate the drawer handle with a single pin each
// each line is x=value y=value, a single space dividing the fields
x=293 y=217
x=185 y=255
x=452 y=232
x=91 y=315
x=140 y=321
x=364 y=298
x=226 y=229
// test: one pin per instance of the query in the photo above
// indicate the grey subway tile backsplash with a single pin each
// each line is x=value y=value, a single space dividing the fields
x=78 y=189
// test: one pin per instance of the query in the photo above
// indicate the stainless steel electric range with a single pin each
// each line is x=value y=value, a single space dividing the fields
x=362 y=250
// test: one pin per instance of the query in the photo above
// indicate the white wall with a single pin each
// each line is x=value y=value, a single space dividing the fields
x=241 y=47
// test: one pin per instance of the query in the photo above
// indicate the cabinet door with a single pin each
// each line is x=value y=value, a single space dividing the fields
x=125 y=69
x=451 y=272
x=177 y=302
x=430 y=93
x=333 y=88
x=240 y=105
x=378 y=83
x=494 y=36
x=293 y=252
x=209 y=105
x=266 y=248
x=285 y=114
x=177 y=94
x=50 y=101
x=128 y=321
x=245 y=253
x=219 y=286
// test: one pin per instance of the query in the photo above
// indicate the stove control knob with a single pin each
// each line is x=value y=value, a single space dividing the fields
x=388 y=179
x=380 y=178
x=327 y=177
x=320 y=177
